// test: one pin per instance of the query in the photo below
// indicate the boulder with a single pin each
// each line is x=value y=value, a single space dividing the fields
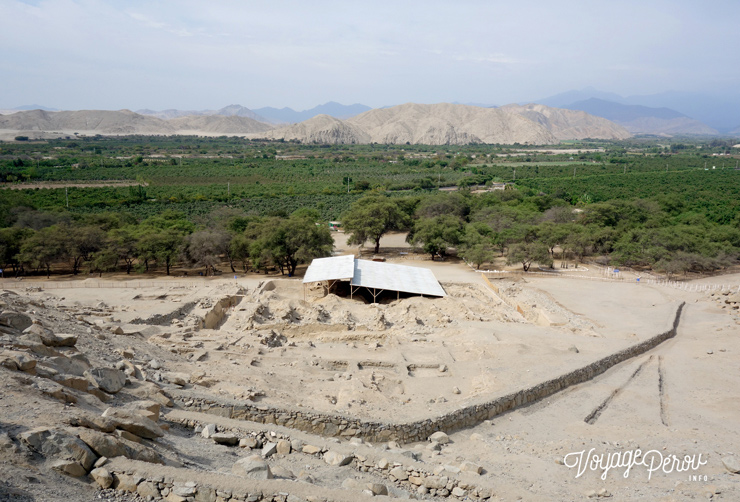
x=377 y=488
x=269 y=449
x=253 y=467
x=147 y=489
x=69 y=467
x=399 y=473
x=102 y=477
x=58 y=444
x=333 y=457
x=249 y=442
x=731 y=464
x=134 y=423
x=470 y=467
x=15 y=320
x=94 y=422
x=208 y=431
x=282 y=472
x=439 y=437
x=283 y=447
x=126 y=482
x=311 y=449
x=23 y=361
x=107 y=379
x=58 y=340
x=225 y=438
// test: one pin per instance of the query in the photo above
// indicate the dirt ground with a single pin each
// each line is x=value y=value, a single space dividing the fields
x=272 y=341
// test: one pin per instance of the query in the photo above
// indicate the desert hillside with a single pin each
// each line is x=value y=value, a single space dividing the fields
x=438 y=124
x=569 y=124
x=39 y=123
x=322 y=129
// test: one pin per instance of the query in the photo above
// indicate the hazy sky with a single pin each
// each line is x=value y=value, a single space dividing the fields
x=97 y=54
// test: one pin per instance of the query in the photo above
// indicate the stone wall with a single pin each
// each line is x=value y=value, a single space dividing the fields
x=347 y=427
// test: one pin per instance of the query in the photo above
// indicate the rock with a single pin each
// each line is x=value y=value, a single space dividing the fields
x=147 y=489
x=134 y=423
x=128 y=436
x=310 y=449
x=7 y=445
x=58 y=340
x=455 y=390
x=269 y=449
x=732 y=464
x=332 y=457
x=110 y=446
x=150 y=409
x=591 y=494
x=282 y=472
x=73 y=382
x=107 y=379
x=23 y=361
x=102 y=477
x=383 y=463
x=102 y=444
x=296 y=445
x=57 y=444
x=459 y=492
x=15 y=320
x=225 y=438
x=126 y=482
x=283 y=447
x=399 y=473
x=249 y=442
x=471 y=467
x=435 y=482
x=208 y=431
x=94 y=422
x=180 y=379
x=205 y=494
x=186 y=489
x=377 y=488
x=69 y=467
x=573 y=349
x=253 y=467
x=439 y=437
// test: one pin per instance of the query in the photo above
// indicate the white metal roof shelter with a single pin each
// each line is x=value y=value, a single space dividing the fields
x=376 y=277
x=330 y=269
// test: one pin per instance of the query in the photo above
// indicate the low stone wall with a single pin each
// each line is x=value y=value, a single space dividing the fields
x=347 y=427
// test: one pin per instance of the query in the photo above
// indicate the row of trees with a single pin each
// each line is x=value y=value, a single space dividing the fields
x=107 y=242
x=540 y=229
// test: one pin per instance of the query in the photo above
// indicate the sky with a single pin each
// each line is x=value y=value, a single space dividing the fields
x=194 y=55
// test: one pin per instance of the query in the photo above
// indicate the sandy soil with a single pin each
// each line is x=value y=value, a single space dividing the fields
x=416 y=358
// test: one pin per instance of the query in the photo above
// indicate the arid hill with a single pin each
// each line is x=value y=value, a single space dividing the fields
x=322 y=129
x=438 y=124
x=569 y=124
x=39 y=123
x=448 y=124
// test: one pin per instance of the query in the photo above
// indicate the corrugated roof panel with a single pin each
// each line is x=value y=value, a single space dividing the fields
x=330 y=269
x=392 y=277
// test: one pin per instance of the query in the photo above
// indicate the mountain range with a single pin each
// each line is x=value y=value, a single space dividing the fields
x=713 y=115
x=437 y=124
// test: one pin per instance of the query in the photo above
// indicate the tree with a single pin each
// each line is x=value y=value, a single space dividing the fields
x=44 y=248
x=11 y=240
x=436 y=234
x=289 y=242
x=372 y=217
x=528 y=252
x=161 y=246
x=477 y=244
x=205 y=248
